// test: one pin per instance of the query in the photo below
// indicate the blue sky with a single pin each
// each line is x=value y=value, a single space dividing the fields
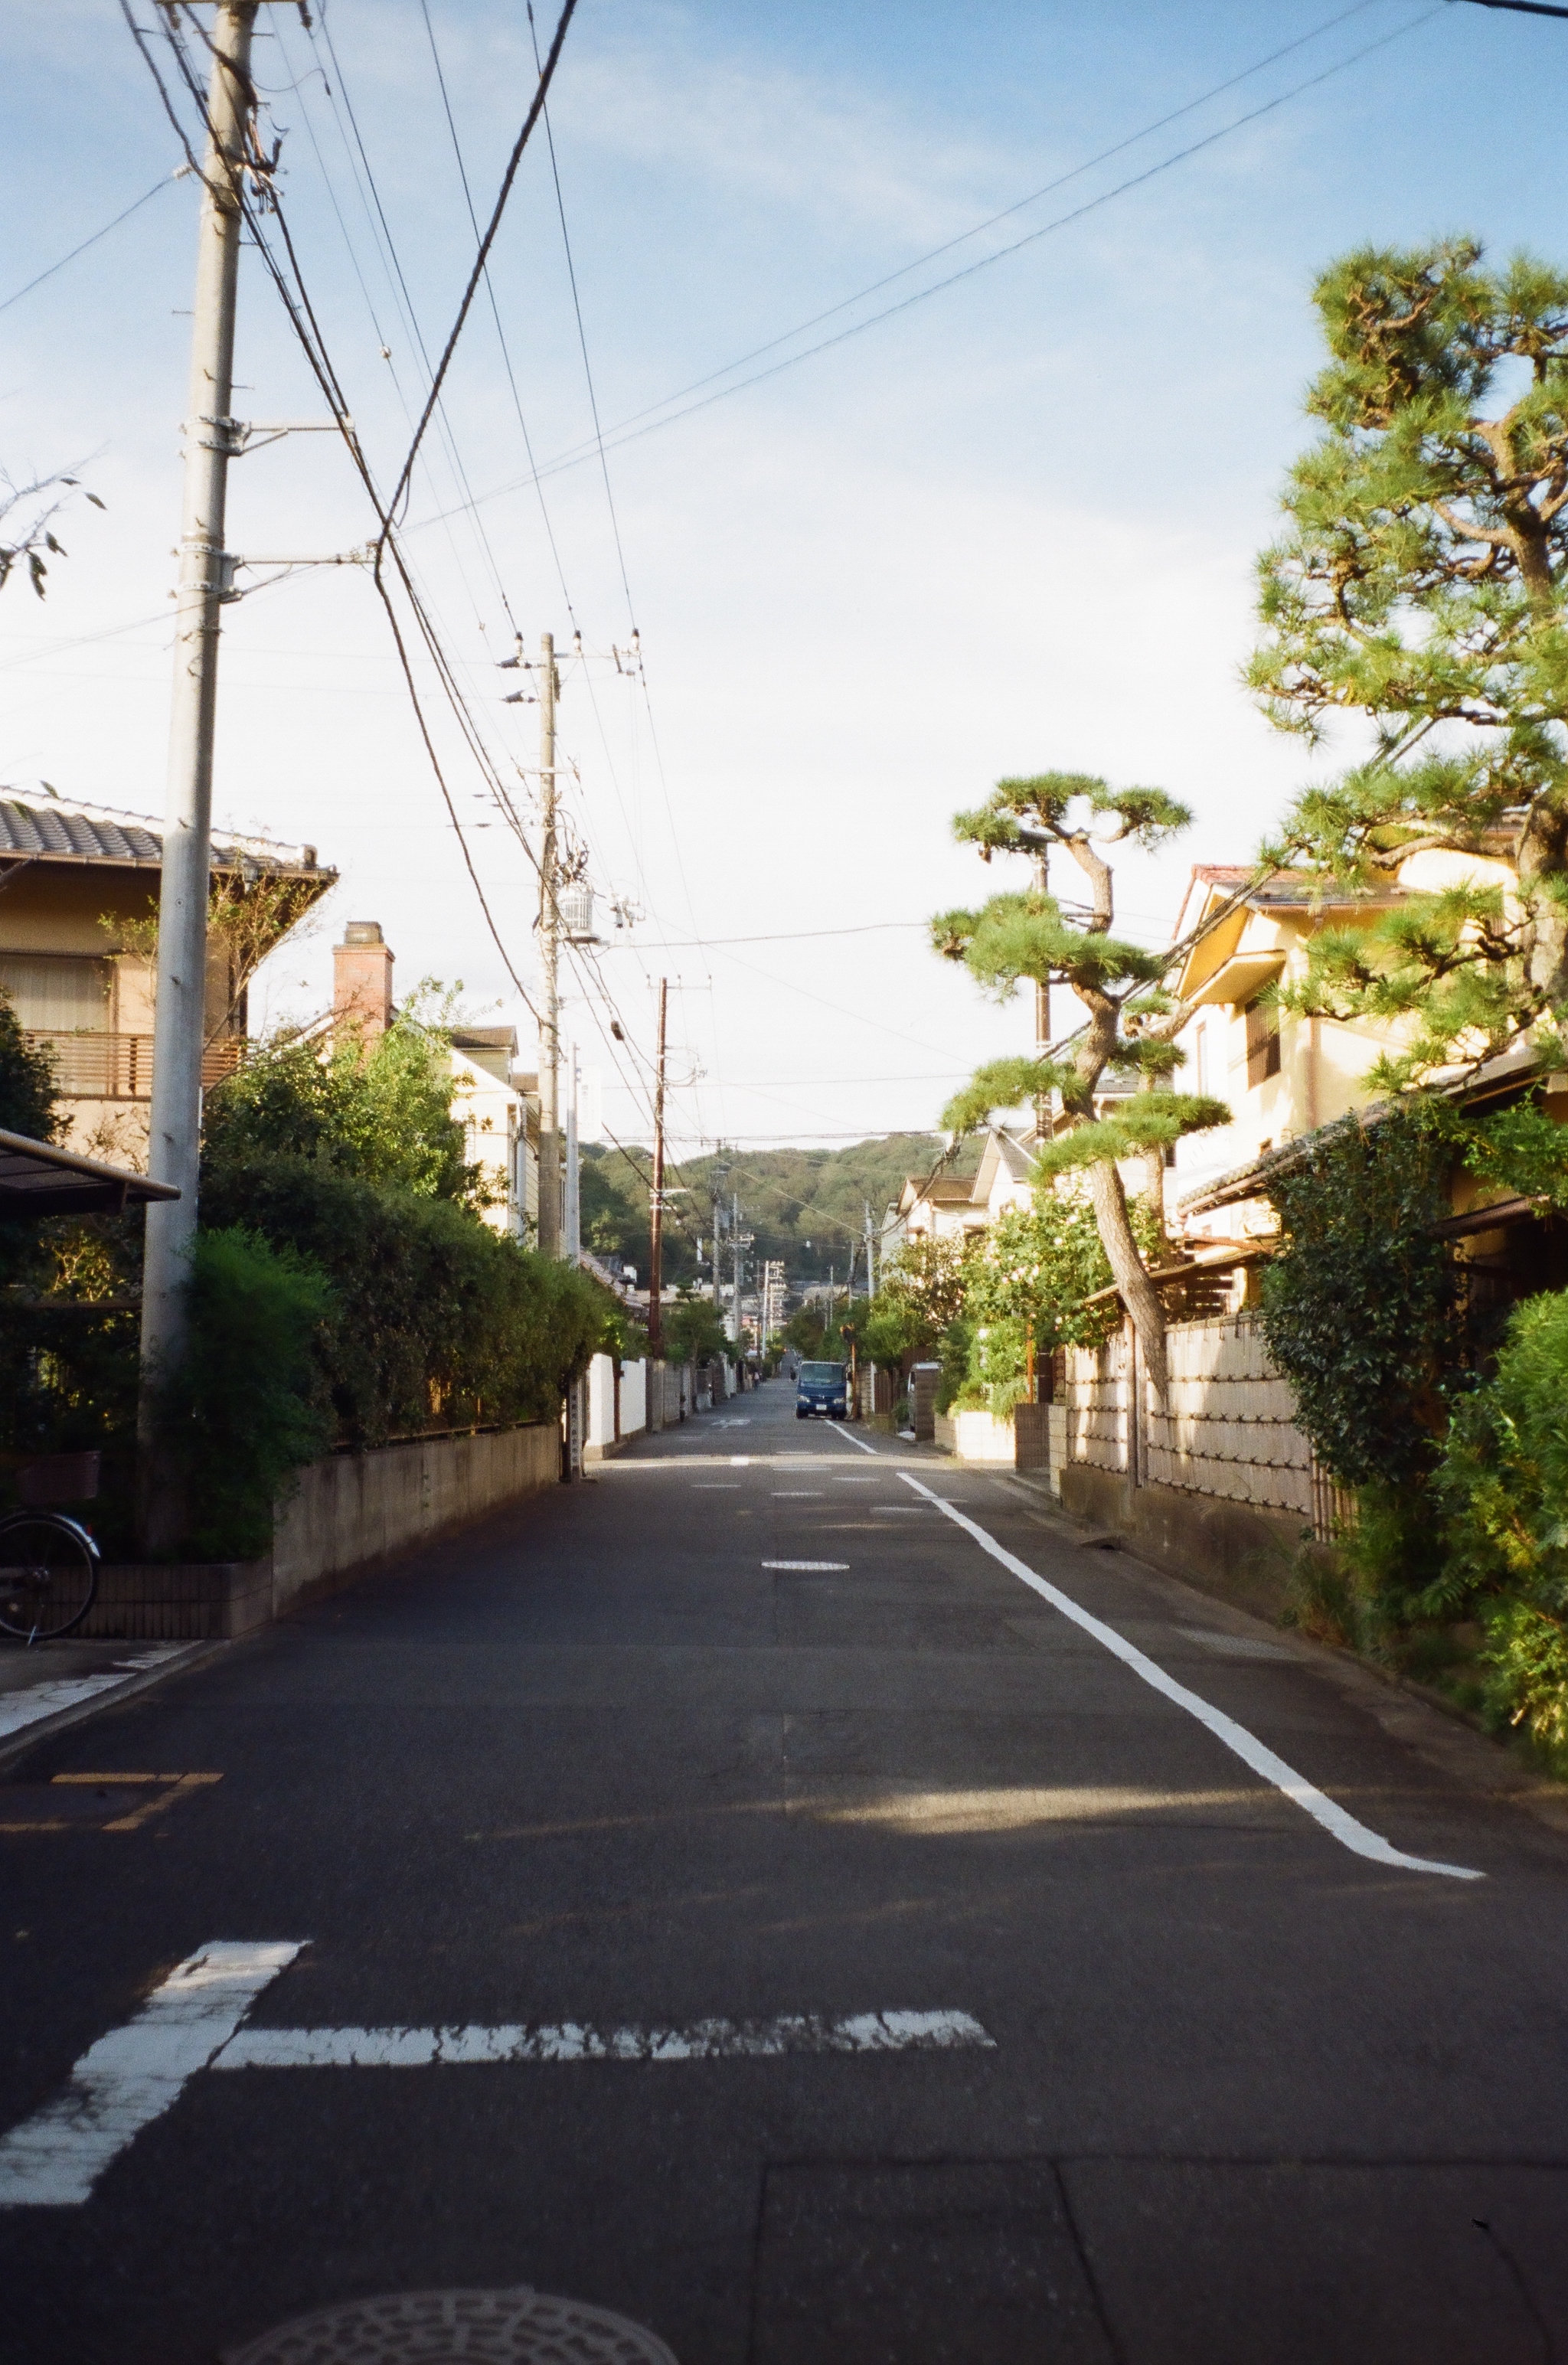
x=1012 y=527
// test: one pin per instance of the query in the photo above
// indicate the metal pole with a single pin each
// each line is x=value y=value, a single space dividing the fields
x=657 y=1256
x=549 y=959
x=175 y=1126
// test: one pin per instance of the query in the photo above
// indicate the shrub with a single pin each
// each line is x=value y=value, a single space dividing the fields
x=250 y=1405
x=1359 y=1306
x=1502 y=1492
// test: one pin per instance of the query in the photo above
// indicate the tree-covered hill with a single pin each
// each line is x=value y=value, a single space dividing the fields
x=805 y=1207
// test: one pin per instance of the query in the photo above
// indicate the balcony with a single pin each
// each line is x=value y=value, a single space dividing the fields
x=90 y=1066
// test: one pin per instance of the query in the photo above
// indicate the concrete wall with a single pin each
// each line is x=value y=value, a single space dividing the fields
x=355 y=1508
x=348 y=1512
x=1220 y=1486
x=975 y=1436
x=604 y=1432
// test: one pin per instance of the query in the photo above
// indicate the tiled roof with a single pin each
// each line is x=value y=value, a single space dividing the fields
x=57 y=829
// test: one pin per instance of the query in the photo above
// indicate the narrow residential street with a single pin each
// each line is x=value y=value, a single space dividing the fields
x=727 y=1893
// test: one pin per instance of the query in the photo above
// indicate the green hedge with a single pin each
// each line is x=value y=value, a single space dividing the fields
x=438 y=1321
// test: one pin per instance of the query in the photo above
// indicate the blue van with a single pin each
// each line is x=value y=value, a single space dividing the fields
x=821 y=1388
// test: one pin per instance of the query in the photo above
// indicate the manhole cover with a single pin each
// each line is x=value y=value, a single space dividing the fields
x=457 y=2327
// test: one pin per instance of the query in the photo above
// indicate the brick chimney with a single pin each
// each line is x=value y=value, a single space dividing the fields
x=361 y=980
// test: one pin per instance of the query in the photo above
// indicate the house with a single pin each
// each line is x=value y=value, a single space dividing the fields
x=497 y=1106
x=957 y=1207
x=79 y=888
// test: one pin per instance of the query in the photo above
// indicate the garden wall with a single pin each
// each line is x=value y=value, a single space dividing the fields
x=1222 y=1486
x=349 y=1512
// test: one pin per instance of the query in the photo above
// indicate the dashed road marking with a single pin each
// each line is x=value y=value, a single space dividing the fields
x=840 y=1565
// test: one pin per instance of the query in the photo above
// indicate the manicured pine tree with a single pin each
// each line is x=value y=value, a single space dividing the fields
x=1418 y=586
x=1129 y=1021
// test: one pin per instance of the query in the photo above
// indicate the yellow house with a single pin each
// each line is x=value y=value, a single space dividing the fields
x=78 y=927
x=1283 y=1076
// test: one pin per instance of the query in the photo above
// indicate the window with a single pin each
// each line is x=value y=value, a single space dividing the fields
x=1262 y=1042
x=54 y=994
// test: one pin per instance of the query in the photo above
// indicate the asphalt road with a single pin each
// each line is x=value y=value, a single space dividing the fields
x=1180 y=2076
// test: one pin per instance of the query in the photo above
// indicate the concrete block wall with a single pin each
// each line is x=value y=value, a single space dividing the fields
x=1228 y=1430
x=356 y=1508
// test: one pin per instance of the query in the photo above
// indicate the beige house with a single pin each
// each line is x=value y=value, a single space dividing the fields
x=949 y=1207
x=1283 y=1076
x=78 y=927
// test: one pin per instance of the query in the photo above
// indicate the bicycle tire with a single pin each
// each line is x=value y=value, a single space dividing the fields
x=49 y=1576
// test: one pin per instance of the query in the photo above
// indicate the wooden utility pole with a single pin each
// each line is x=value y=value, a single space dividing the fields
x=549 y=959
x=657 y=1256
x=211 y=441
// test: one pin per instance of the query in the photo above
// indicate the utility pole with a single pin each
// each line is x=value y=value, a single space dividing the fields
x=717 y=1184
x=549 y=957
x=657 y=1256
x=571 y=1244
x=735 y=1246
x=871 y=1262
x=175 y=1133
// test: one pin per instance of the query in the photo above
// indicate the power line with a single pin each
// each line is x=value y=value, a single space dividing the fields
x=1019 y=206
x=629 y=431
x=535 y=109
x=302 y=318
x=582 y=332
x=168 y=180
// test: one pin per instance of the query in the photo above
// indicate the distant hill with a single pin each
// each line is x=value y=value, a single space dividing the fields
x=804 y=1207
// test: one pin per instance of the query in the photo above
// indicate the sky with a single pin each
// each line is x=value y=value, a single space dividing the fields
x=1010 y=528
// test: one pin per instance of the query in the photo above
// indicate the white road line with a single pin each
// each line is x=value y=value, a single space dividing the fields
x=1235 y=1737
x=703 y=2040
x=133 y=2075
x=20 y=1709
x=841 y=1565
x=853 y=1441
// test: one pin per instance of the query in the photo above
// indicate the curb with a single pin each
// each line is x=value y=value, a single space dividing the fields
x=17 y=1744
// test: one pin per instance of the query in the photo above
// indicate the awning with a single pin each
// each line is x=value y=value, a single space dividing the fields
x=36 y=1179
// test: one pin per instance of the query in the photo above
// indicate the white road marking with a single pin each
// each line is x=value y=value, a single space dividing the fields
x=20 y=1709
x=853 y=1441
x=133 y=2075
x=1302 y=1793
x=703 y=2040
x=797 y=1494
x=740 y=1462
x=841 y=1565
x=718 y=1490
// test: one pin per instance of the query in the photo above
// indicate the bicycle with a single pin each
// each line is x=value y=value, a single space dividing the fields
x=49 y=1576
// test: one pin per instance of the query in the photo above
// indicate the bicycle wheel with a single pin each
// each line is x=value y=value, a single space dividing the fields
x=49 y=1575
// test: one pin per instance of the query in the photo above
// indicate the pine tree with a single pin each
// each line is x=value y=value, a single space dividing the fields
x=1420 y=584
x=1130 y=1021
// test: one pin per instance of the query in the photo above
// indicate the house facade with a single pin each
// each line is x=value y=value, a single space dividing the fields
x=79 y=888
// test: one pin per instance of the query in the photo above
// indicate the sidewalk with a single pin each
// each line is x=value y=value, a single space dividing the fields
x=48 y=1685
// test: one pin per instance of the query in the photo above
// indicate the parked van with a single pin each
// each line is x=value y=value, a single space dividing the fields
x=822 y=1388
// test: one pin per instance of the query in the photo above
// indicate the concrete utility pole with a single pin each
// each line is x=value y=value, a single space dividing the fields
x=735 y=1238
x=870 y=1259
x=657 y=1256
x=717 y=1183
x=549 y=960
x=571 y=1244
x=174 y=1148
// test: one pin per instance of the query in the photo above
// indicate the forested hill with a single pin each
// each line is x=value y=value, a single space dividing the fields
x=789 y=1197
